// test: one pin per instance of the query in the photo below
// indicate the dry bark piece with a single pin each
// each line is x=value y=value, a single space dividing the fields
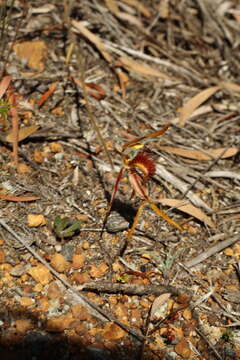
x=47 y=94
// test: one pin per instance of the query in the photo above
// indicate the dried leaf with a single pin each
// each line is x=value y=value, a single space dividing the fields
x=23 y=133
x=43 y=9
x=185 y=206
x=15 y=126
x=138 y=6
x=231 y=86
x=194 y=102
x=47 y=94
x=98 y=92
x=199 y=155
x=157 y=306
x=19 y=198
x=112 y=6
x=182 y=349
x=4 y=84
x=164 y=9
x=123 y=81
x=77 y=25
x=35 y=52
x=142 y=69
x=133 y=20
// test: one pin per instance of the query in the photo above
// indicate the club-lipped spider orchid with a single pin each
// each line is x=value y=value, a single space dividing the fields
x=139 y=164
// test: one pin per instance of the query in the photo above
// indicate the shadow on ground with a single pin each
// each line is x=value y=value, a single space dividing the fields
x=38 y=343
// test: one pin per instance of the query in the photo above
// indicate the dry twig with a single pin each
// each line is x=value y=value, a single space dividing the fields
x=211 y=251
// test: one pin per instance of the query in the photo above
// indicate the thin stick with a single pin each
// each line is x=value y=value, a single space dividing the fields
x=216 y=353
x=211 y=251
x=90 y=113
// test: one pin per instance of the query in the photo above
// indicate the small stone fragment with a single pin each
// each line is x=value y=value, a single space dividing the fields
x=26 y=301
x=2 y=256
x=35 y=220
x=116 y=223
x=20 y=269
x=59 y=263
x=43 y=303
x=187 y=314
x=23 y=325
x=59 y=324
x=38 y=287
x=80 y=313
x=121 y=311
x=40 y=274
x=80 y=278
x=53 y=291
x=113 y=332
x=23 y=168
x=38 y=156
x=56 y=147
x=136 y=317
x=228 y=252
x=98 y=271
x=85 y=245
x=78 y=261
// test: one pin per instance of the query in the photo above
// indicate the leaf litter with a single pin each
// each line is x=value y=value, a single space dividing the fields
x=118 y=42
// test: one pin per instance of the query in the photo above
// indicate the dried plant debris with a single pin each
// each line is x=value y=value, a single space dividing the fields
x=86 y=88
